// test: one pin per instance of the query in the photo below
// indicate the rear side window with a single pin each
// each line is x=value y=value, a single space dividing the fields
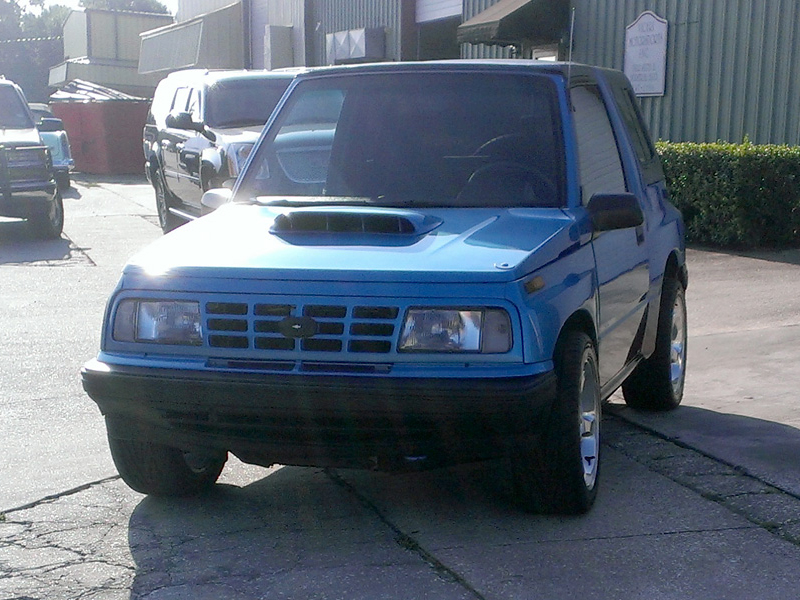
x=243 y=102
x=598 y=153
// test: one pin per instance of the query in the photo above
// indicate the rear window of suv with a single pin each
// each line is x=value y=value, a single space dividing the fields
x=13 y=114
x=243 y=102
x=413 y=139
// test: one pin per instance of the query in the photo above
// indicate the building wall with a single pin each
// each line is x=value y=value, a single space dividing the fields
x=188 y=9
x=731 y=65
x=281 y=13
x=330 y=16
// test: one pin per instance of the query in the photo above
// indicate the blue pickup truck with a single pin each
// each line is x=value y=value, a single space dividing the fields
x=421 y=264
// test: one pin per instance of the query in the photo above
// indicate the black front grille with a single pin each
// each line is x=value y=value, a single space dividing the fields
x=303 y=328
x=24 y=166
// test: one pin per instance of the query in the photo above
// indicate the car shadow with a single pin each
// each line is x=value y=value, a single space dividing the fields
x=316 y=533
x=19 y=246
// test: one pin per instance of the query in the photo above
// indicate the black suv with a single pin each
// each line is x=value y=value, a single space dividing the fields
x=199 y=131
x=28 y=186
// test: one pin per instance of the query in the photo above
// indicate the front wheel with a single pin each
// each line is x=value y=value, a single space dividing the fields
x=160 y=470
x=558 y=472
x=166 y=219
x=657 y=382
x=50 y=223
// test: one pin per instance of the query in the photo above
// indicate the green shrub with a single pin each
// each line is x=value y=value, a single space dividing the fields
x=735 y=195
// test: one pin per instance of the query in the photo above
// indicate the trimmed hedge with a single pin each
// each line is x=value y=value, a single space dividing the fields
x=735 y=195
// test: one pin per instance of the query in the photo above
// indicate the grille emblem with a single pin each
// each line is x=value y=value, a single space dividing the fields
x=298 y=327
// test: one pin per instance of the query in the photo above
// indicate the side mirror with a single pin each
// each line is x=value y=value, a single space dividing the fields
x=615 y=211
x=182 y=120
x=215 y=198
x=50 y=124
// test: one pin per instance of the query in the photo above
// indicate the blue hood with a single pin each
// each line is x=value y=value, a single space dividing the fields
x=478 y=245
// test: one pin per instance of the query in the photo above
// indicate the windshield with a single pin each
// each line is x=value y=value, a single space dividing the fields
x=13 y=113
x=243 y=102
x=414 y=139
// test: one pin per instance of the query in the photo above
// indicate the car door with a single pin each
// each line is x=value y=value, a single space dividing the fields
x=172 y=139
x=621 y=259
x=188 y=152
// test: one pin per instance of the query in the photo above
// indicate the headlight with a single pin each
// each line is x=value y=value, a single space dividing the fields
x=158 y=321
x=484 y=330
x=237 y=155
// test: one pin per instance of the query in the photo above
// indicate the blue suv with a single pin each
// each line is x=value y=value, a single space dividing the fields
x=420 y=264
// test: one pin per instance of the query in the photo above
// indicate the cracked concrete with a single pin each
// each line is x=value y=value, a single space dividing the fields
x=669 y=523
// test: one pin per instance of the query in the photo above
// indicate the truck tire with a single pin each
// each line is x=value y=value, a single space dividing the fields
x=166 y=219
x=657 y=382
x=50 y=224
x=160 y=470
x=557 y=473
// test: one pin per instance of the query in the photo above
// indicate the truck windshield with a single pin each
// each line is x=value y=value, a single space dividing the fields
x=414 y=139
x=13 y=114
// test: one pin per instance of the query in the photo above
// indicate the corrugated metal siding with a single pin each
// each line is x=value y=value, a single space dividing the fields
x=343 y=15
x=731 y=65
x=286 y=13
x=188 y=9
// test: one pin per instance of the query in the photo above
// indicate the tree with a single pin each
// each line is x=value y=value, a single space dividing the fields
x=48 y=23
x=151 y=6
x=10 y=16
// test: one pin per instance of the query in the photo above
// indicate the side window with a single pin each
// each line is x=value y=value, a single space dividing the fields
x=598 y=154
x=193 y=106
x=181 y=99
x=634 y=124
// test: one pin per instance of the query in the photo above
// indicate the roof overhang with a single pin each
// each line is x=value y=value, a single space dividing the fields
x=517 y=22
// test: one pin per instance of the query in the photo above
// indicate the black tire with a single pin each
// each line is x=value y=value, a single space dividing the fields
x=166 y=219
x=50 y=224
x=657 y=382
x=558 y=472
x=63 y=181
x=160 y=470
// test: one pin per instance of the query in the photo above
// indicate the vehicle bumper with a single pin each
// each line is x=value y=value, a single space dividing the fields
x=26 y=203
x=321 y=420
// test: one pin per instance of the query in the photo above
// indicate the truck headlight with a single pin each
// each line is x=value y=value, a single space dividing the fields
x=480 y=330
x=237 y=155
x=158 y=321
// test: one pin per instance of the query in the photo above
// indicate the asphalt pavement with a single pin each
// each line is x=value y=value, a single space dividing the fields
x=699 y=503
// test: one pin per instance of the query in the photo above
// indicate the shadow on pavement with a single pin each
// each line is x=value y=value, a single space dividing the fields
x=19 y=246
x=766 y=450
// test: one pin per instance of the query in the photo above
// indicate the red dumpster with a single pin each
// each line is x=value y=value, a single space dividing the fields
x=105 y=135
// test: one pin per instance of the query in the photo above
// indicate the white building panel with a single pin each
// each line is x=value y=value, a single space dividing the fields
x=433 y=10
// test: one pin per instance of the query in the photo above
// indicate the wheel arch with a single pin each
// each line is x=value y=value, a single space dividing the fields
x=580 y=321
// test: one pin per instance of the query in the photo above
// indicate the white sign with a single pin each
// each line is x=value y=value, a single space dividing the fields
x=646 y=54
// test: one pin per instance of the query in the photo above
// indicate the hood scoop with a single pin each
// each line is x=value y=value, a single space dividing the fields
x=354 y=221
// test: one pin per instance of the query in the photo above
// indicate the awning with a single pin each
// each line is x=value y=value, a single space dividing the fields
x=517 y=22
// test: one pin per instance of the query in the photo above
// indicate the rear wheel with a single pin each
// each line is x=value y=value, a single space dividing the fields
x=657 y=382
x=166 y=219
x=558 y=472
x=50 y=223
x=161 y=470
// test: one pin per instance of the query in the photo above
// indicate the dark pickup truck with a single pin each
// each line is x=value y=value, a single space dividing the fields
x=27 y=183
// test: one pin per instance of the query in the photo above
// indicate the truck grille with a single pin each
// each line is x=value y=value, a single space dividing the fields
x=23 y=165
x=308 y=328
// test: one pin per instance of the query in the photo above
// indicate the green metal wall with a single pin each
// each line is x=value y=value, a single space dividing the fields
x=732 y=65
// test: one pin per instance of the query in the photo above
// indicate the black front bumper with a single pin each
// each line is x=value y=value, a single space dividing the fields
x=321 y=420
